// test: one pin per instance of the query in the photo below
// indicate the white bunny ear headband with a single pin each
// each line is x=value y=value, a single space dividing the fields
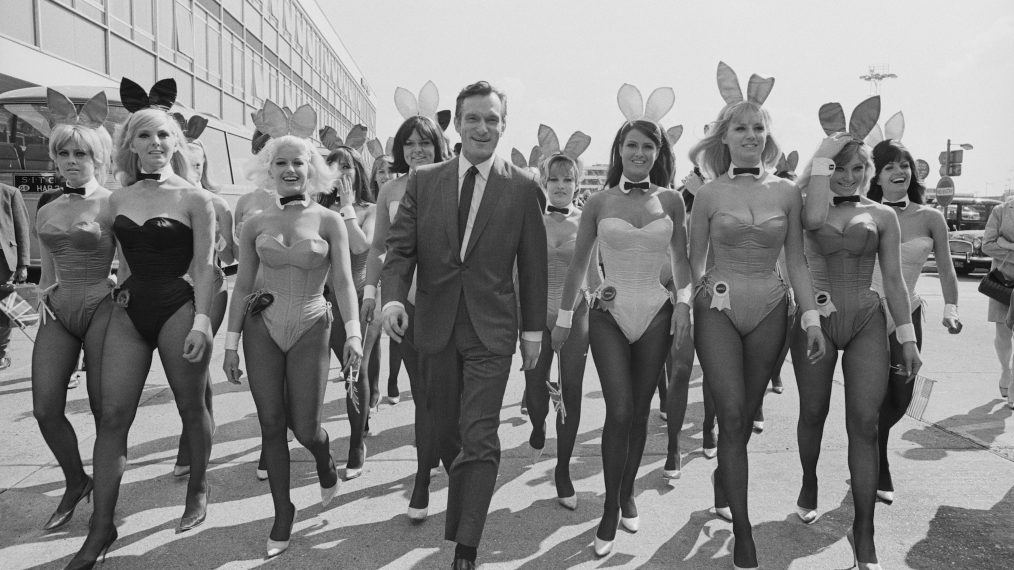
x=789 y=163
x=534 y=158
x=549 y=144
x=278 y=122
x=63 y=112
x=757 y=89
x=424 y=106
x=864 y=118
x=632 y=105
x=378 y=150
x=894 y=129
x=354 y=140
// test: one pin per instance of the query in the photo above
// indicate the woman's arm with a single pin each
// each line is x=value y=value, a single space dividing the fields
x=245 y=278
x=587 y=234
x=700 y=232
x=201 y=212
x=342 y=287
x=991 y=245
x=816 y=178
x=889 y=256
x=795 y=260
x=680 y=327
x=47 y=277
x=378 y=246
x=942 y=251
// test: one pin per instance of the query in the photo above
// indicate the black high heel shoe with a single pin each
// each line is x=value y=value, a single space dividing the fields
x=77 y=564
x=61 y=518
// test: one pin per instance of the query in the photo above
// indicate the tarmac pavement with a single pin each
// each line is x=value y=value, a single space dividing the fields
x=954 y=473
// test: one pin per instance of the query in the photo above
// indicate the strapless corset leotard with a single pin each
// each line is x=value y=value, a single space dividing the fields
x=632 y=260
x=914 y=254
x=743 y=282
x=82 y=256
x=159 y=252
x=559 y=261
x=841 y=264
x=294 y=275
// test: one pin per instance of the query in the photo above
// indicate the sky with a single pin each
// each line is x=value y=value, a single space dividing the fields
x=561 y=62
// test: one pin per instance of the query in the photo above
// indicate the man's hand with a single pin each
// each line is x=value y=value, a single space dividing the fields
x=395 y=321
x=21 y=274
x=530 y=350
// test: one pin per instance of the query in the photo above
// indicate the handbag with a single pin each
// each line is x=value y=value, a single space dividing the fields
x=995 y=286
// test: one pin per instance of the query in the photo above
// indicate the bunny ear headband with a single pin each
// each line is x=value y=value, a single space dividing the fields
x=162 y=95
x=378 y=150
x=864 y=118
x=633 y=107
x=894 y=129
x=549 y=144
x=787 y=164
x=355 y=139
x=425 y=106
x=757 y=89
x=279 y=122
x=63 y=112
x=534 y=159
x=192 y=128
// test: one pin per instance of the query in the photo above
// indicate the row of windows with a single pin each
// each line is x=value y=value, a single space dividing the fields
x=221 y=55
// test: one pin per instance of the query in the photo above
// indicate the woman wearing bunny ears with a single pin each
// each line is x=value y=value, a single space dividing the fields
x=638 y=224
x=923 y=229
x=846 y=235
x=295 y=245
x=561 y=171
x=417 y=142
x=163 y=225
x=76 y=245
x=745 y=216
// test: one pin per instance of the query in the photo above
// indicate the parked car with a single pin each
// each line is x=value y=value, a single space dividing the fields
x=966 y=219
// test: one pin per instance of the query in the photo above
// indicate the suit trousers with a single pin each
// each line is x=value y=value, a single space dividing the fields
x=5 y=332
x=427 y=453
x=466 y=385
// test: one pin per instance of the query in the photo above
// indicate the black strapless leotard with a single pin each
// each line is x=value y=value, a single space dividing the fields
x=159 y=252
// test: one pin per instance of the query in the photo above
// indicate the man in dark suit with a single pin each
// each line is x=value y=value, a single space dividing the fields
x=464 y=224
x=14 y=261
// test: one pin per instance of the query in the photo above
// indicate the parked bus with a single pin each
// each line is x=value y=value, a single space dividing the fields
x=24 y=149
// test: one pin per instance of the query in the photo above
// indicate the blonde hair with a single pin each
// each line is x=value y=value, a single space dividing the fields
x=259 y=168
x=193 y=147
x=96 y=142
x=712 y=155
x=127 y=164
x=549 y=162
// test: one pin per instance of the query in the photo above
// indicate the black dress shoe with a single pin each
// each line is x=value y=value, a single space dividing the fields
x=462 y=564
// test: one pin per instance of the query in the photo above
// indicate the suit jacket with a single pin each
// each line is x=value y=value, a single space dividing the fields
x=14 y=228
x=508 y=228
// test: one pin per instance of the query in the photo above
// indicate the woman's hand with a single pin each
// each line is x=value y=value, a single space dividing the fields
x=231 y=366
x=814 y=344
x=352 y=355
x=346 y=195
x=911 y=362
x=366 y=312
x=559 y=337
x=832 y=145
x=194 y=346
x=953 y=324
x=679 y=326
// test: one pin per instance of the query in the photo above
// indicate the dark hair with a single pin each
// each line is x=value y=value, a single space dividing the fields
x=359 y=186
x=661 y=172
x=786 y=174
x=428 y=130
x=885 y=153
x=482 y=89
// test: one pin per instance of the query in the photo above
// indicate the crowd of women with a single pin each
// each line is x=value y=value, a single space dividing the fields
x=625 y=279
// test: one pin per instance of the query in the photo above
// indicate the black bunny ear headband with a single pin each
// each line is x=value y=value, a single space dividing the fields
x=191 y=128
x=162 y=95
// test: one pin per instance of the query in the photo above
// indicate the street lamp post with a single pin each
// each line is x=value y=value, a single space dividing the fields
x=947 y=162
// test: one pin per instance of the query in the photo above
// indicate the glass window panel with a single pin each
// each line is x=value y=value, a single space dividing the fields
x=184 y=30
x=73 y=37
x=18 y=20
x=237 y=65
x=131 y=61
x=92 y=10
x=214 y=52
x=184 y=83
x=218 y=165
x=164 y=23
x=233 y=24
x=234 y=7
x=227 y=60
x=239 y=155
x=120 y=10
x=232 y=109
x=211 y=6
x=252 y=18
x=207 y=99
x=201 y=43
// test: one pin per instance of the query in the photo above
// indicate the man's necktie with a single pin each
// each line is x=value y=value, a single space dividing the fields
x=465 y=201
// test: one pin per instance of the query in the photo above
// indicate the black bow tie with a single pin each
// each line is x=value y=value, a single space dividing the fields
x=283 y=200
x=839 y=199
x=628 y=186
x=69 y=190
x=565 y=210
x=736 y=171
x=901 y=204
x=156 y=176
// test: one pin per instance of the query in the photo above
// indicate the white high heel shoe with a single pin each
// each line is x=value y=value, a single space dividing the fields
x=808 y=516
x=602 y=547
x=276 y=547
x=632 y=524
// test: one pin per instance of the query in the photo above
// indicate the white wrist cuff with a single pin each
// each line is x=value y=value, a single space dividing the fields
x=232 y=340
x=822 y=167
x=809 y=319
x=951 y=311
x=564 y=319
x=683 y=295
x=348 y=213
x=905 y=333
x=203 y=324
x=370 y=292
x=352 y=329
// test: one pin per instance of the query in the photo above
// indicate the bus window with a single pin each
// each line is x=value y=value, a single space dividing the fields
x=220 y=171
x=239 y=156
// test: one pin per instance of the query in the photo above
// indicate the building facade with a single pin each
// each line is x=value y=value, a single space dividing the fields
x=593 y=178
x=227 y=56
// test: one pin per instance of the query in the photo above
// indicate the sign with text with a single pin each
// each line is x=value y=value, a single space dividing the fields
x=36 y=182
x=922 y=169
x=945 y=191
x=956 y=157
x=950 y=170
